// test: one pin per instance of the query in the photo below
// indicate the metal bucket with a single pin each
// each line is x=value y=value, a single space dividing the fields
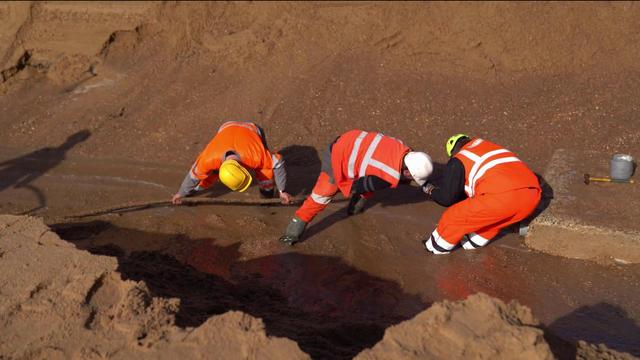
x=621 y=166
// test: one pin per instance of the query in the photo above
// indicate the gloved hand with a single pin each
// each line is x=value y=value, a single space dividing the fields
x=294 y=231
x=428 y=188
x=356 y=204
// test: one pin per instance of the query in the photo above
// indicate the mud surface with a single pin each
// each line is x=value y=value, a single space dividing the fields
x=113 y=115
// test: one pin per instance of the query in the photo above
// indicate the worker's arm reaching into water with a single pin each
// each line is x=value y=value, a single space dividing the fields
x=449 y=189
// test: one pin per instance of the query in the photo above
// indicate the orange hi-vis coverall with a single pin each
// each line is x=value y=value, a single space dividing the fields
x=353 y=155
x=246 y=140
x=501 y=191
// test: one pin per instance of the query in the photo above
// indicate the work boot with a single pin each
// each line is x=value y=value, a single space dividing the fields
x=356 y=205
x=428 y=244
x=294 y=231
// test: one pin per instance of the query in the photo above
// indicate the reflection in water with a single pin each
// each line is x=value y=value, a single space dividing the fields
x=484 y=270
x=333 y=310
x=329 y=308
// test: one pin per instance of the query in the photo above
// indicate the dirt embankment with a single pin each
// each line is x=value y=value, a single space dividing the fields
x=153 y=80
x=60 y=302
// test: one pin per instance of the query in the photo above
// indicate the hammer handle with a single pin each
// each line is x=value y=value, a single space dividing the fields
x=611 y=180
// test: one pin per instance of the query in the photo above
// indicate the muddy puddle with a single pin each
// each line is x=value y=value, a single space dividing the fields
x=336 y=292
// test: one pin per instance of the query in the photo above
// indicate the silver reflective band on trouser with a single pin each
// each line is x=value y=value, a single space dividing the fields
x=368 y=160
x=249 y=126
x=437 y=245
x=474 y=241
x=324 y=200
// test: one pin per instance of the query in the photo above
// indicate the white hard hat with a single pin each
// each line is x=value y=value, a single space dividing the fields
x=419 y=165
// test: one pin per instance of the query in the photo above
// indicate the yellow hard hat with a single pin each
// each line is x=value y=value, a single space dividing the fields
x=234 y=176
x=452 y=142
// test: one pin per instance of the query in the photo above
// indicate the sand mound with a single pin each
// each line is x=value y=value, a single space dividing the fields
x=479 y=327
x=59 y=302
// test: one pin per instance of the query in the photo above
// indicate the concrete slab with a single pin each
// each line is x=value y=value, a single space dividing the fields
x=599 y=221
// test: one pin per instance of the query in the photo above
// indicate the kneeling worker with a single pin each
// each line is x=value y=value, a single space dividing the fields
x=486 y=188
x=236 y=147
x=357 y=163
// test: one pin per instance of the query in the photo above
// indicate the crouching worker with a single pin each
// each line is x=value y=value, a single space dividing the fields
x=486 y=188
x=237 y=147
x=358 y=163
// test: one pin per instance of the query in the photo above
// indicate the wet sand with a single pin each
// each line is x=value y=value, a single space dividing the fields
x=351 y=275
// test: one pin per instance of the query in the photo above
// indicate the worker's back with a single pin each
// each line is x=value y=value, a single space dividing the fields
x=489 y=168
x=241 y=138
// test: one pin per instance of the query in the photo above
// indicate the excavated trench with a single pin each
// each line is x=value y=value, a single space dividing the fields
x=353 y=277
x=530 y=76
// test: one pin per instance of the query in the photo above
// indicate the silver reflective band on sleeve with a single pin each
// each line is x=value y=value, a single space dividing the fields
x=354 y=155
x=276 y=162
x=324 y=200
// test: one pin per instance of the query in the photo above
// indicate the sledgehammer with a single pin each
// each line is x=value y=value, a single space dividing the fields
x=588 y=179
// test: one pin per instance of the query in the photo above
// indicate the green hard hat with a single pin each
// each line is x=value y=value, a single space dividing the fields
x=452 y=142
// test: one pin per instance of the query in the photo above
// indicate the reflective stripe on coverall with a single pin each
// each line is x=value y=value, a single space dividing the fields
x=355 y=154
x=501 y=191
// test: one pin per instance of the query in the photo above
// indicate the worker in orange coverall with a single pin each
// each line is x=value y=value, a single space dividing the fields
x=236 y=147
x=486 y=188
x=358 y=163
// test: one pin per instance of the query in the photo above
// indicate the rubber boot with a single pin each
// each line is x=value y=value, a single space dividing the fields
x=294 y=231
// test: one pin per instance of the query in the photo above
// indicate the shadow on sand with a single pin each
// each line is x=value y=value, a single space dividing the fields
x=329 y=308
x=22 y=171
x=600 y=323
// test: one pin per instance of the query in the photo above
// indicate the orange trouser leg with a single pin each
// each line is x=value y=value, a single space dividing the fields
x=523 y=202
x=482 y=217
x=320 y=197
